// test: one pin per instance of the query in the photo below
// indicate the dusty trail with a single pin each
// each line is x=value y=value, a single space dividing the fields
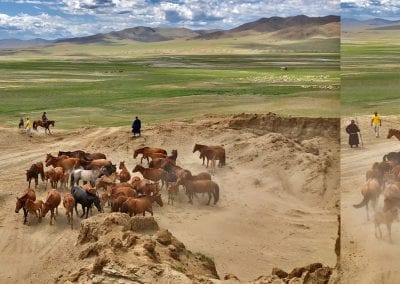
x=366 y=259
x=276 y=208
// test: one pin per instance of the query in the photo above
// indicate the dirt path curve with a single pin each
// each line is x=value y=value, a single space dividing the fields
x=366 y=259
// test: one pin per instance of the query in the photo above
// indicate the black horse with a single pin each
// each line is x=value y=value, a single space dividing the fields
x=86 y=199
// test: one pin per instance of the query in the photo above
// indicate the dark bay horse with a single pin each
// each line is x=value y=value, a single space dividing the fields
x=28 y=194
x=33 y=173
x=393 y=132
x=45 y=124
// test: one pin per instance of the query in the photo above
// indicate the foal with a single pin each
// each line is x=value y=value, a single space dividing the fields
x=33 y=208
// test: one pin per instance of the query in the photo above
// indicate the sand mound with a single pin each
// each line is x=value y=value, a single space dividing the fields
x=121 y=249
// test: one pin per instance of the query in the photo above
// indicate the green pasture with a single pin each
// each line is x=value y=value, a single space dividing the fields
x=370 y=72
x=87 y=89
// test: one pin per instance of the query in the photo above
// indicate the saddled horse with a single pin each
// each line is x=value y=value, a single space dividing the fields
x=148 y=151
x=45 y=124
x=86 y=199
x=33 y=173
x=28 y=194
x=393 y=132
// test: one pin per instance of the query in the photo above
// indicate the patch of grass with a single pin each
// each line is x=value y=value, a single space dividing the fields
x=370 y=73
x=110 y=90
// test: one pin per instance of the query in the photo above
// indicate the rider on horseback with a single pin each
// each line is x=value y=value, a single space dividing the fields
x=44 y=117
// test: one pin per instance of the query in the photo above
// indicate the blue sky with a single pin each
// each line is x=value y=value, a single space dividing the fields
x=367 y=9
x=50 y=19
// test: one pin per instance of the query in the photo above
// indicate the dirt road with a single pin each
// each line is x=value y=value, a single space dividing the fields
x=366 y=259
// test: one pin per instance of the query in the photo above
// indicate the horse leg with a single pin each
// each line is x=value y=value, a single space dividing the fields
x=76 y=209
x=51 y=216
x=25 y=214
x=209 y=198
x=83 y=209
x=87 y=211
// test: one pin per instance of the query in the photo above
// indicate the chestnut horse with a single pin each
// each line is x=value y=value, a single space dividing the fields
x=45 y=124
x=51 y=204
x=63 y=161
x=124 y=174
x=34 y=207
x=152 y=174
x=33 y=173
x=141 y=205
x=211 y=153
x=28 y=194
x=200 y=186
x=394 y=132
x=147 y=151
x=69 y=204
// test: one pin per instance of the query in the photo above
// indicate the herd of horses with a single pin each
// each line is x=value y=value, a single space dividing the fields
x=104 y=185
x=383 y=178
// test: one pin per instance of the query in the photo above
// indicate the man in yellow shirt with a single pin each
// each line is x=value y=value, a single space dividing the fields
x=376 y=123
x=28 y=127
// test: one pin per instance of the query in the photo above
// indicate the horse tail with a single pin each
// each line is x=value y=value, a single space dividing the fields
x=363 y=202
x=71 y=183
x=216 y=193
x=223 y=162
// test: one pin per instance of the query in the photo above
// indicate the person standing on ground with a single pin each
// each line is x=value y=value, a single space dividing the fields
x=28 y=127
x=353 y=130
x=136 y=125
x=21 y=123
x=376 y=123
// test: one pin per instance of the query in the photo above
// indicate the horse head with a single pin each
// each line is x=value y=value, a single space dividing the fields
x=390 y=133
x=121 y=165
x=157 y=198
x=196 y=148
x=19 y=204
x=97 y=203
x=136 y=153
x=137 y=168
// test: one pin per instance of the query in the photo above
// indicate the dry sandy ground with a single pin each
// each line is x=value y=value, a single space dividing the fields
x=366 y=259
x=276 y=208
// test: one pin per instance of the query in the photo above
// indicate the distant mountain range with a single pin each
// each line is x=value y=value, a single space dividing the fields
x=377 y=23
x=292 y=28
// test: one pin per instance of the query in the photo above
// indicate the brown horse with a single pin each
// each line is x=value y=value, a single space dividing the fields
x=124 y=174
x=28 y=194
x=152 y=174
x=33 y=173
x=45 y=124
x=117 y=203
x=34 y=207
x=394 y=132
x=63 y=161
x=69 y=204
x=145 y=186
x=141 y=205
x=211 y=153
x=146 y=151
x=173 y=189
x=200 y=186
x=94 y=164
x=51 y=204
x=370 y=192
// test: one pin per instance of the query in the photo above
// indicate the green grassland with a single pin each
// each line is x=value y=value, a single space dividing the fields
x=370 y=72
x=108 y=84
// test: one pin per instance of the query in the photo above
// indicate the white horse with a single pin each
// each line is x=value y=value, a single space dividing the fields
x=85 y=175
